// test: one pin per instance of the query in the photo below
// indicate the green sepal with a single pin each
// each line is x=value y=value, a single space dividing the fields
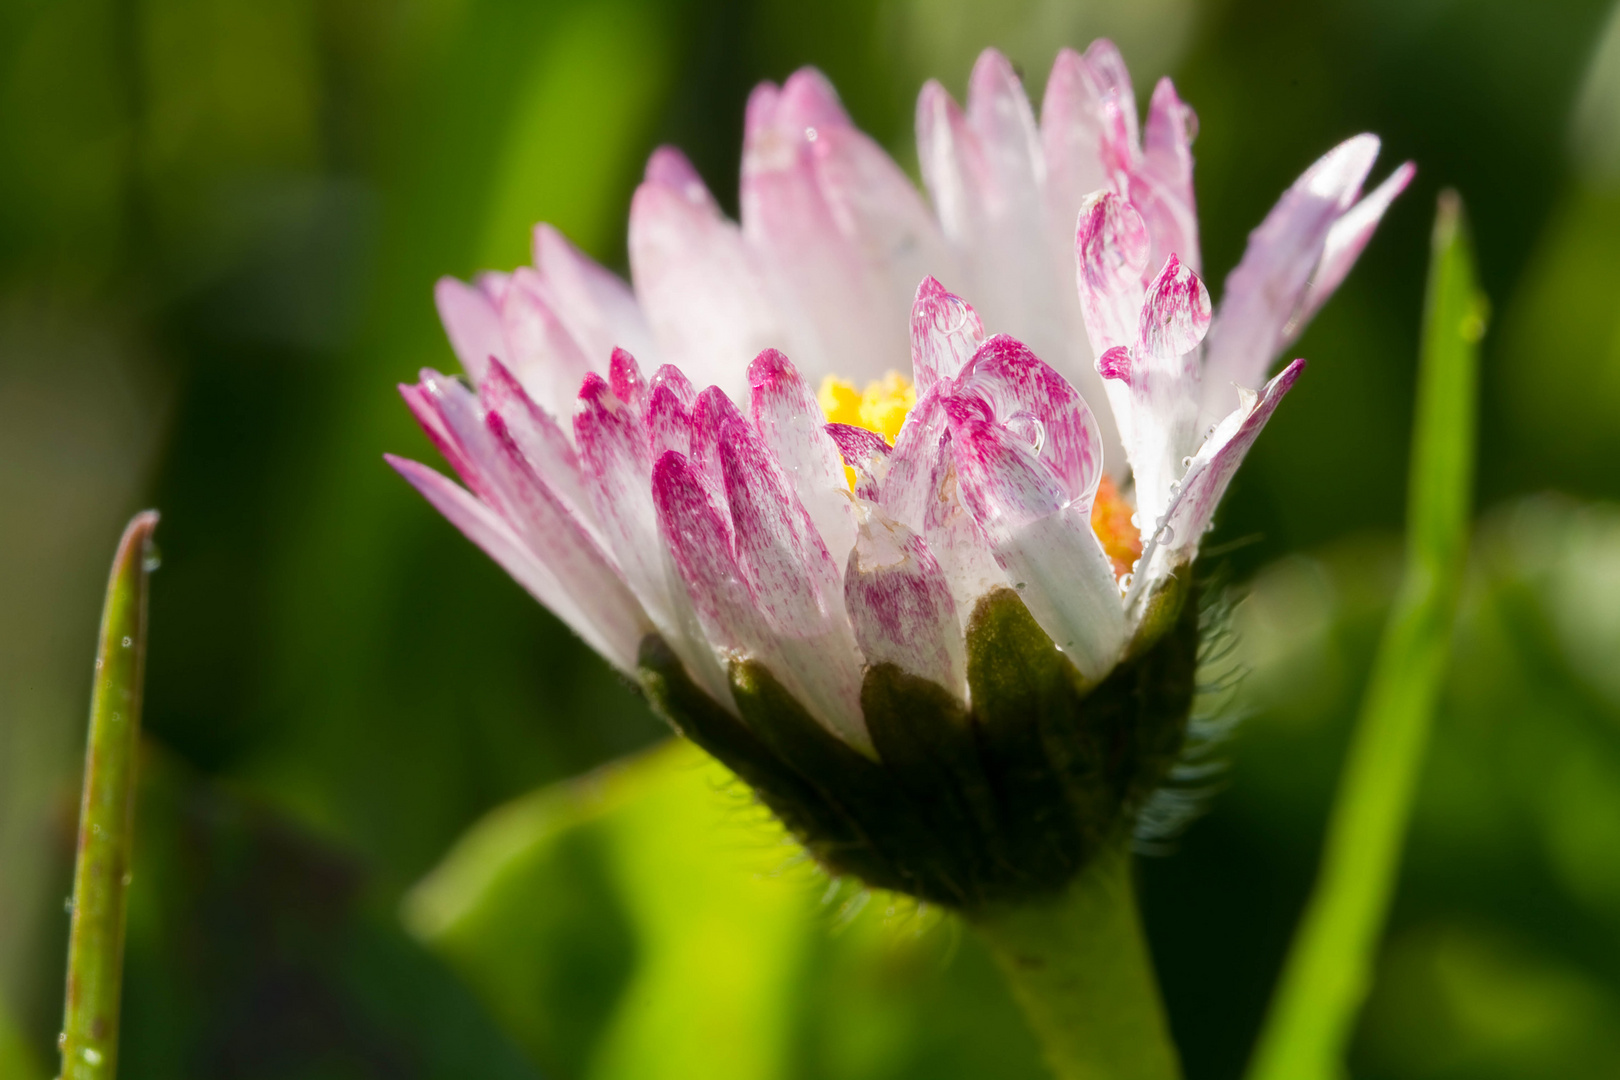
x=1026 y=698
x=890 y=844
x=964 y=807
x=692 y=713
x=1071 y=764
x=927 y=740
x=1161 y=611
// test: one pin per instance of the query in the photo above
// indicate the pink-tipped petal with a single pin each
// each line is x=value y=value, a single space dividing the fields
x=793 y=579
x=945 y=333
x=1115 y=364
x=888 y=227
x=493 y=284
x=698 y=284
x=1045 y=545
x=1113 y=81
x=828 y=295
x=711 y=413
x=673 y=377
x=1029 y=398
x=1345 y=242
x=790 y=421
x=698 y=537
x=560 y=538
x=969 y=565
x=598 y=308
x=613 y=448
x=1266 y=290
x=473 y=324
x=900 y=604
x=1162 y=187
x=985 y=171
x=452 y=418
x=865 y=452
x=553 y=532
x=669 y=423
x=669 y=168
x=1087 y=97
x=624 y=376
x=907 y=483
x=616 y=639
x=998 y=111
x=1071 y=133
x=617 y=470
x=545 y=357
x=1212 y=469
x=1112 y=248
x=538 y=435
x=1175 y=313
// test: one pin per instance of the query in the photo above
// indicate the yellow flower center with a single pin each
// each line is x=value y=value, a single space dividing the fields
x=881 y=407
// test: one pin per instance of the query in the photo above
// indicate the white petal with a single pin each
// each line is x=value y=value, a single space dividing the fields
x=790 y=421
x=956 y=541
x=1161 y=187
x=473 y=324
x=1345 y=242
x=599 y=310
x=544 y=355
x=699 y=541
x=829 y=296
x=985 y=171
x=1111 y=249
x=945 y=333
x=794 y=580
x=1071 y=132
x=795 y=585
x=1265 y=292
x=1044 y=543
x=613 y=449
x=1176 y=544
x=698 y=284
x=538 y=435
x=1026 y=395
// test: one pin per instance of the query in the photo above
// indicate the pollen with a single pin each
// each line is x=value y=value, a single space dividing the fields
x=1111 y=521
x=881 y=407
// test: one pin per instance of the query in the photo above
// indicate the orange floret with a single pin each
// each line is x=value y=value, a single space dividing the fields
x=1111 y=521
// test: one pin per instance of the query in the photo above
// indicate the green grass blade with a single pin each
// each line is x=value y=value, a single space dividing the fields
x=1329 y=969
x=101 y=875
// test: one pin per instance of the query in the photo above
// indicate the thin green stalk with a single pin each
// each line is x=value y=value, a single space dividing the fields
x=1329 y=969
x=101 y=875
x=1079 y=965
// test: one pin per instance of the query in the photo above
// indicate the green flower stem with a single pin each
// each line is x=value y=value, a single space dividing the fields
x=1079 y=965
x=101 y=876
x=1330 y=967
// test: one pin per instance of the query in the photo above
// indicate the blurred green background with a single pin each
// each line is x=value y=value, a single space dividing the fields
x=220 y=221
